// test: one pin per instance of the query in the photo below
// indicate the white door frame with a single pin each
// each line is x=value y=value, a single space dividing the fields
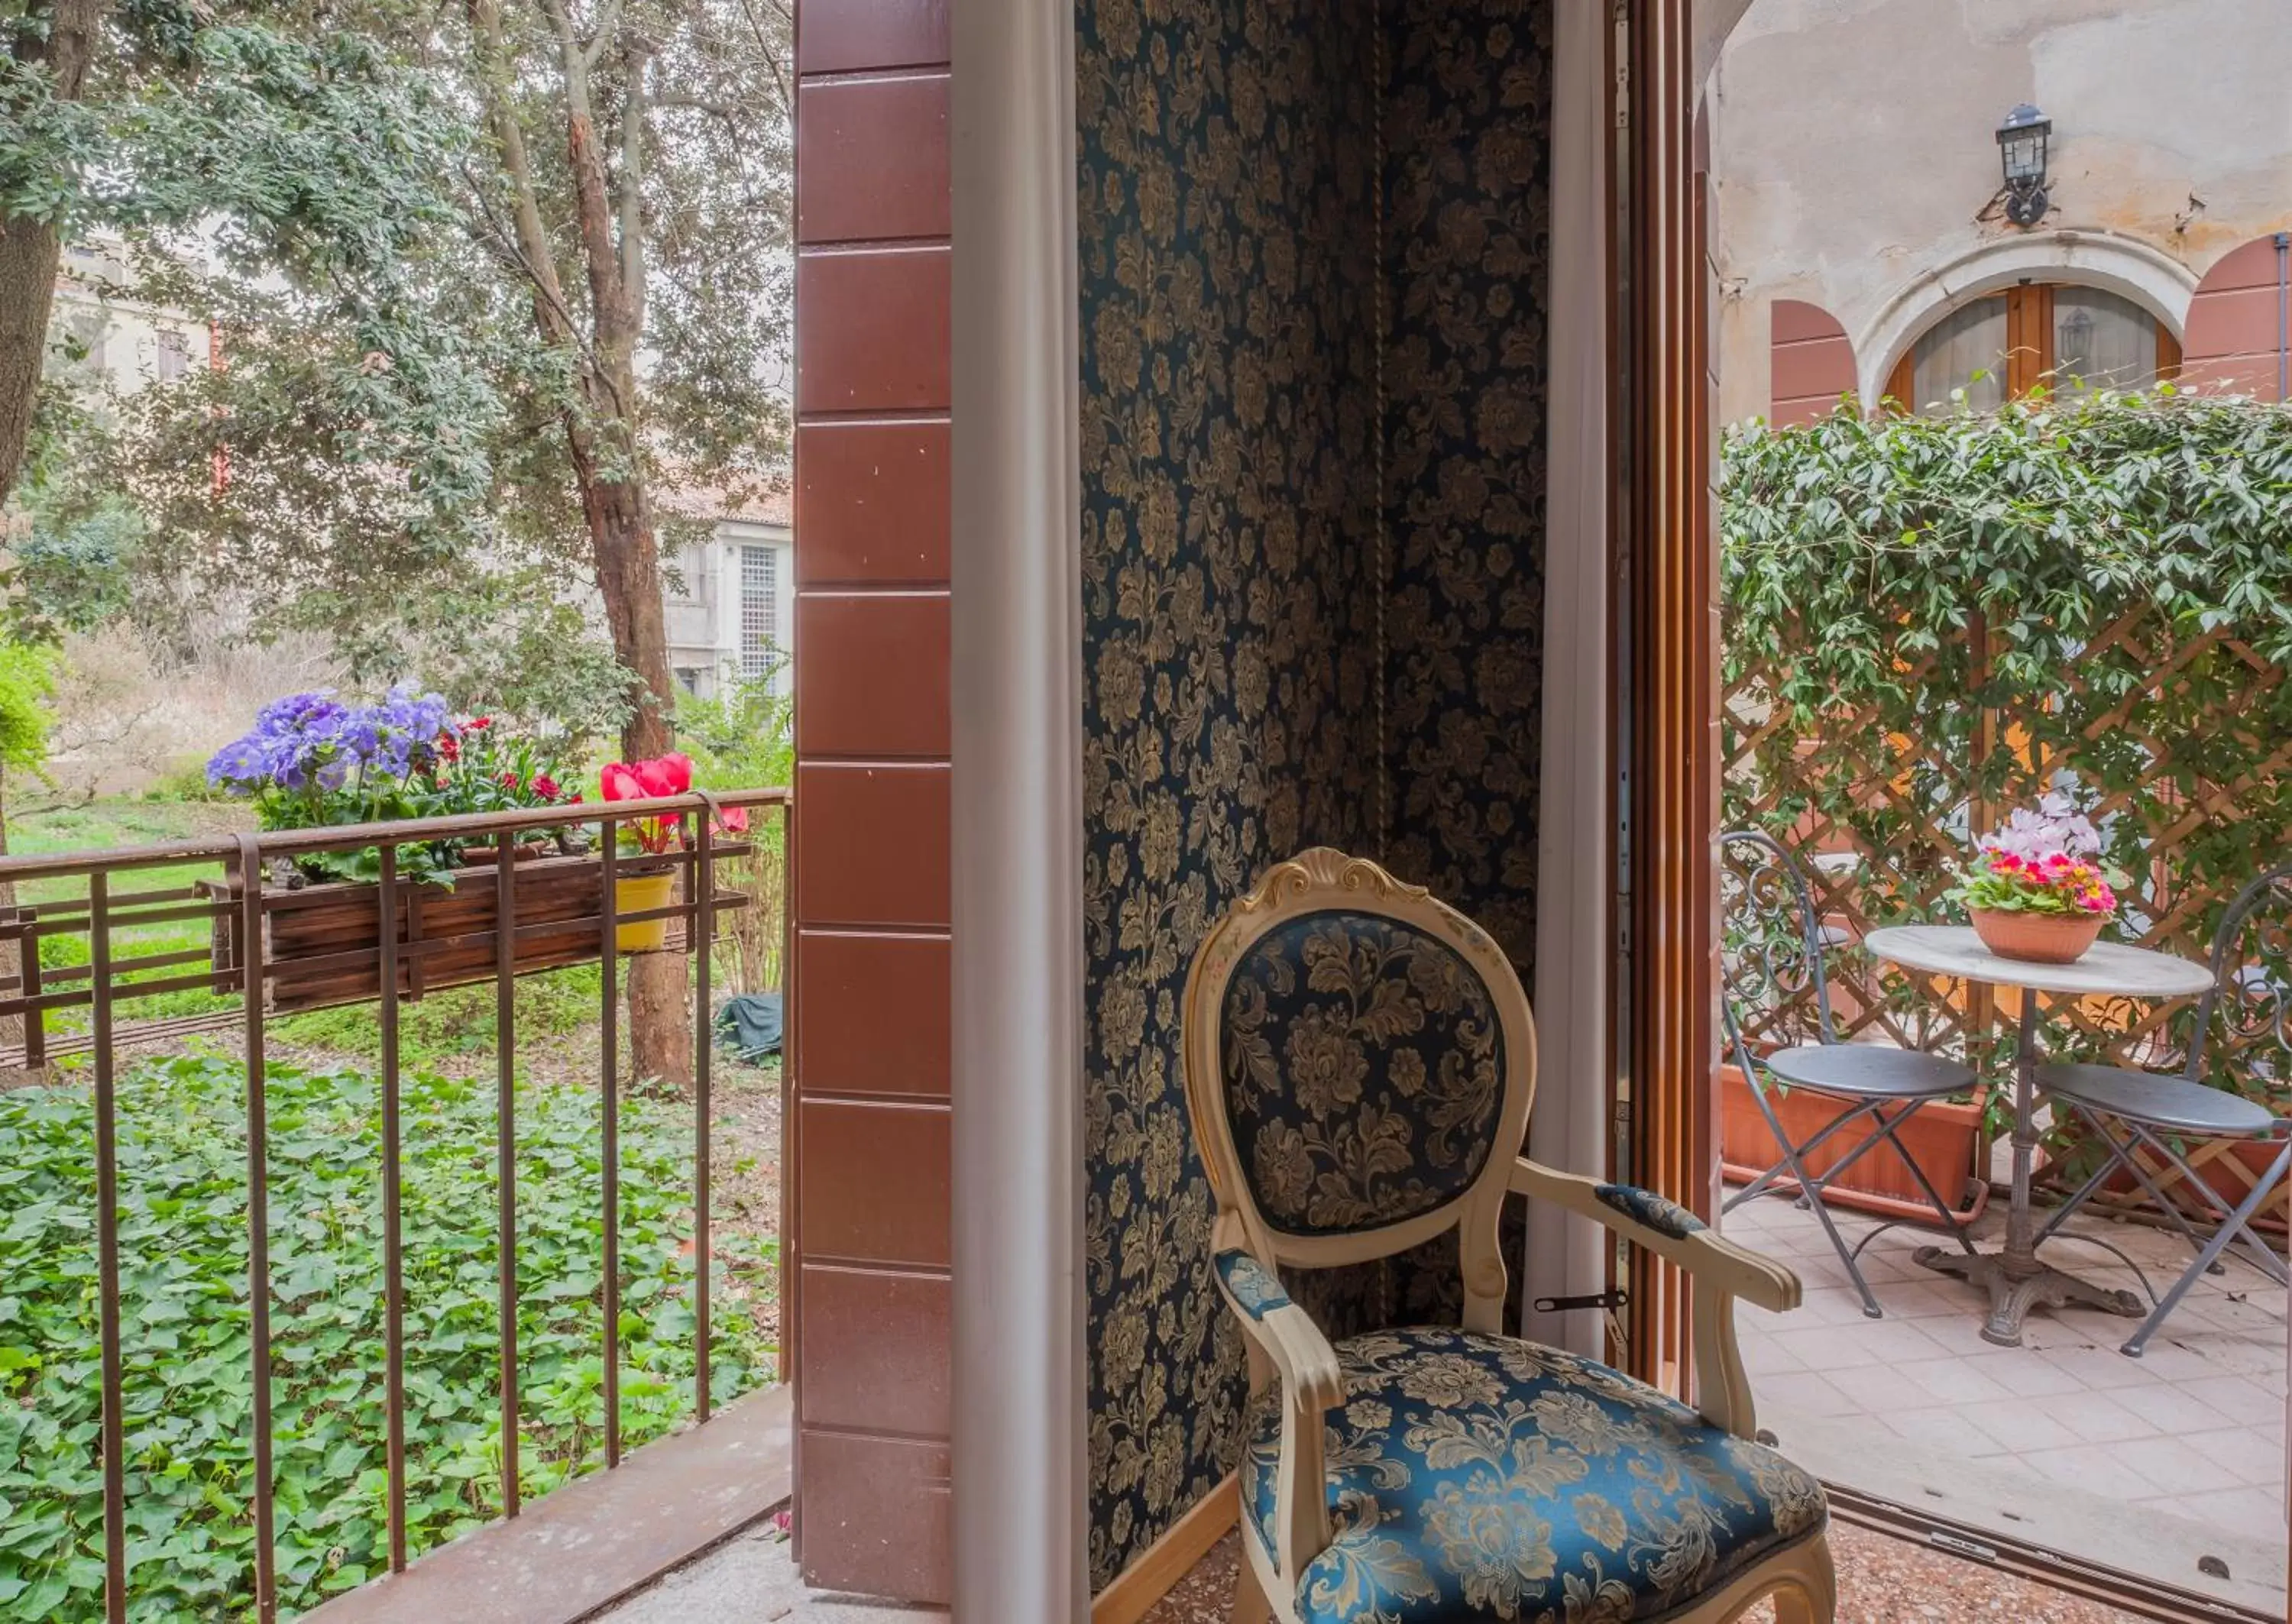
x=1021 y=1476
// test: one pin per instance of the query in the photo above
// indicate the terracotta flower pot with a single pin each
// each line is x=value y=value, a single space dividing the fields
x=2038 y=938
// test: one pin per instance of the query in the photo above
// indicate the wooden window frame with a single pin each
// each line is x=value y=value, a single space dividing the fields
x=2030 y=353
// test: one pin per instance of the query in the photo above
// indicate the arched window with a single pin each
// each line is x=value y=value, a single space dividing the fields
x=2016 y=341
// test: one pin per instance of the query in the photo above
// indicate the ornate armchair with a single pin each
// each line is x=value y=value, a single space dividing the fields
x=1359 y=1061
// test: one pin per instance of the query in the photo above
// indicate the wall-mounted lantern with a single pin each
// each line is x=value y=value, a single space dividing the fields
x=2022 y=140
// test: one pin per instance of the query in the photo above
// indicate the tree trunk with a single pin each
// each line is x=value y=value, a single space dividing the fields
x=628 y=575
x=602 y=438
x=31 y=250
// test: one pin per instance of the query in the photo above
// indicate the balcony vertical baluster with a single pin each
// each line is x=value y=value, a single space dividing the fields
x=703 y=880
x=609 y=963
x=107 y=1244
x=258 y=1214
x=506 y=1144
x=394 y=1257
x=282 y=952
x=35 y=1019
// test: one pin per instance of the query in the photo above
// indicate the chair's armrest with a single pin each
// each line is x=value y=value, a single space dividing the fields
x=1666 y=1229
x=1301 y=1354
x=1720 y=1272
x=1312 y=1384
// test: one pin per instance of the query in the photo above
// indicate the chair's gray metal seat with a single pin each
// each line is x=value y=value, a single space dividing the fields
x=2173 y=1104
x=2146 y=1121
x=1865 y=1071
x=1772 y=959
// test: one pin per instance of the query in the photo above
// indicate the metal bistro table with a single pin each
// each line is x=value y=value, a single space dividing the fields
x=2018 y=1280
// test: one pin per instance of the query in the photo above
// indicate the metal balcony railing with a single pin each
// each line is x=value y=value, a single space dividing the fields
x=553 y=890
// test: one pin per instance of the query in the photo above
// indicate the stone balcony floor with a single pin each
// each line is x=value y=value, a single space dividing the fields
x=749 y=1580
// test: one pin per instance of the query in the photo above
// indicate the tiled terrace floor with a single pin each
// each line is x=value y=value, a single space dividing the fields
x=2052 y=1441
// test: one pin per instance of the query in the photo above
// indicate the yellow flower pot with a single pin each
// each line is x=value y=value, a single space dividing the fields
x=641 y=894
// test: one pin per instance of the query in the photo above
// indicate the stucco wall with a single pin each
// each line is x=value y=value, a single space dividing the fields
x=1853 y=151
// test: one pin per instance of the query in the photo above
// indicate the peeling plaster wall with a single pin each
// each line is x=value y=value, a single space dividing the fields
x=1853 y=146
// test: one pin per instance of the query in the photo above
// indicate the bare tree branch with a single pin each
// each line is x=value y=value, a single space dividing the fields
x=532 y=236
x=632 y=198
x=771 y=57
x=609 y=23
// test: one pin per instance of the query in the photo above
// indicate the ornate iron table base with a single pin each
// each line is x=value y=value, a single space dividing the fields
x=2017 y=1287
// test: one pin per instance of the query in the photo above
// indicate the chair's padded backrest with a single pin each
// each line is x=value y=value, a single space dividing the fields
x=1364 y=1071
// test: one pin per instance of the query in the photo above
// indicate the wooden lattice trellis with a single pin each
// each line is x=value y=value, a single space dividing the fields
x=2169 y=733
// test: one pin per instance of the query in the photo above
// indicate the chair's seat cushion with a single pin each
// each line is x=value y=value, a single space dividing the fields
x=1868 y=1070
x=1476 y=1477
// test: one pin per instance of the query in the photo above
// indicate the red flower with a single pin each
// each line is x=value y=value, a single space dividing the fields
x=733 y=820
x=477 y=722
x=618 y=783
x=662 y=777
x=509 y=780
x=544 y=786
x=450 y=748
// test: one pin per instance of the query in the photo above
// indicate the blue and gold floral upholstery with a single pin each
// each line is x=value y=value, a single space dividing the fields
x=1477 y=1477
x=1255 y=1289
x=1659 y=1213
x=1363 y=1067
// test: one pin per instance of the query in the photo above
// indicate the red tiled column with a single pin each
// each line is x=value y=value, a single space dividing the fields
x=870 y=1142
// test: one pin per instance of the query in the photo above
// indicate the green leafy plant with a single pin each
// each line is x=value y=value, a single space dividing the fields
x=311 y=761
x=182 y=1237
x=1930 y=620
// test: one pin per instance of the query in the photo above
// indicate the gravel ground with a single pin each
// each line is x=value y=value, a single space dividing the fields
x=1881 y=1580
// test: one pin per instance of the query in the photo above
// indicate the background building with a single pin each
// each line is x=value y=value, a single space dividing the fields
x=731 y=598
x=1859 y=236
x=130 y=344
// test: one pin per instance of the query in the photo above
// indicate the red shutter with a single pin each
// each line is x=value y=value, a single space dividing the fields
x=2236 y=338
x=1812 y=364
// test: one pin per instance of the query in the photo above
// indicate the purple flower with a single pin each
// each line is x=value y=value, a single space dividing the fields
x=313 y=739
x=404 y=729
x=293 y=740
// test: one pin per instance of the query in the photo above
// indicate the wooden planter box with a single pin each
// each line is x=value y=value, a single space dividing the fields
x=1943 y=1138
x=322 y=943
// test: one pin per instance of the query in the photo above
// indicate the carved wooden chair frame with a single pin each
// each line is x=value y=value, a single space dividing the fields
x=1284 y=1344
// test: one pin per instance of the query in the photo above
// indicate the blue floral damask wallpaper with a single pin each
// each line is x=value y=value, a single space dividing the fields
x=1312 y=466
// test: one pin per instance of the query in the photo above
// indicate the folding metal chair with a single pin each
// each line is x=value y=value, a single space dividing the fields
x=2241 y=1029
x=1772 y=976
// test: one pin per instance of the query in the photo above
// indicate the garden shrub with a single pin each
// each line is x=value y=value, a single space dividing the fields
x=1930 y=621
x=183 y=1283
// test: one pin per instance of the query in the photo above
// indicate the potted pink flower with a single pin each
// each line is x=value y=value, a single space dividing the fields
x=653 y=885
x=2036 y=890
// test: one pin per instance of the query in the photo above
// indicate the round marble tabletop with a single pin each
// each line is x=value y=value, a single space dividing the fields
x=2107 y=967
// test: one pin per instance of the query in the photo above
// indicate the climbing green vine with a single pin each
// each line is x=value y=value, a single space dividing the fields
x=1930 y=621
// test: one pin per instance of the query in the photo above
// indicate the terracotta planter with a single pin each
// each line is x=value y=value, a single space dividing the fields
x=2230 y=1174
x=1944 y=1139
x=2038 y=938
